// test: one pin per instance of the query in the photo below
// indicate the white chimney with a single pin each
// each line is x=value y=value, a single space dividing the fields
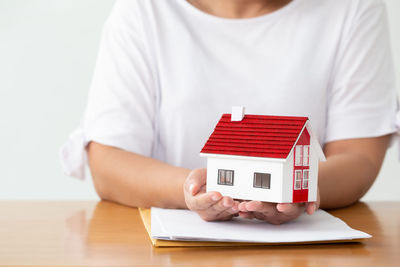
x=237 y=113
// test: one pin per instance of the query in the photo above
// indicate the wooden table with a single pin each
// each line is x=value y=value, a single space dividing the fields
x=90 y=233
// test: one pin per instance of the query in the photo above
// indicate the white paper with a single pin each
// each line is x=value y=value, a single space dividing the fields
x=171 y=224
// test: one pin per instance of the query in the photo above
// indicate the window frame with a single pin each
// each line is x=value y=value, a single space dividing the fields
x=268 y=176
x=298 y=152
x=306 y=155
x=308 y=179
x=225 y=171
x=297 y=180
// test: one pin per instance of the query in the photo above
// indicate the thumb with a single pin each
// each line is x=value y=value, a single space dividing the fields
x=195 y=180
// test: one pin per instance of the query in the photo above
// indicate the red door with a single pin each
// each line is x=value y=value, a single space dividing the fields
x=301 y=167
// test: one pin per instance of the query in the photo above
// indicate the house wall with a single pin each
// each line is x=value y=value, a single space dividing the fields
x=313 y=176
x=243 y=178
x=287 y=185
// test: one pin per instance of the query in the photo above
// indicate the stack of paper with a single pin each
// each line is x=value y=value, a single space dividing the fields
x=185 y=225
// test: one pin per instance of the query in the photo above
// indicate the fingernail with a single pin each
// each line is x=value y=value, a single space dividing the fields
x=279 y=207
x=227 y=205
x=215 y=197
x=191 y=188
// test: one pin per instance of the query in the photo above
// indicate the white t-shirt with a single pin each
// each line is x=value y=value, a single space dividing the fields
x=166 y=71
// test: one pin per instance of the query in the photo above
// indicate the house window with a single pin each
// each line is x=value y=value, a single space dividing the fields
x=306 y=155
x=299 y=155
x=262 y=180
x=225 y=177
x=305 y=179
x=297 y=180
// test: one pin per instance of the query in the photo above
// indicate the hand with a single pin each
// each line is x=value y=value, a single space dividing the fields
x=211 y=206
x=276 y=213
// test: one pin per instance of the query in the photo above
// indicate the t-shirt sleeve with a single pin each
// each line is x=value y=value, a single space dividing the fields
x=121 y=102
x=120 y=109
x=362 y=99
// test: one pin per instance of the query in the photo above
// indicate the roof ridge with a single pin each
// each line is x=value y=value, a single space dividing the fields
x=273 y=117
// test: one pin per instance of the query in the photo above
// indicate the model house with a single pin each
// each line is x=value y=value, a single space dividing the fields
x=266 y=158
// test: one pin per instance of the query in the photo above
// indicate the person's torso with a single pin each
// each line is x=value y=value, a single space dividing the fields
x=277 y=64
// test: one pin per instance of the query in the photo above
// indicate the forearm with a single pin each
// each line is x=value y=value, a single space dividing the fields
x=135 y=180
x=350 y=170
x=344 y=179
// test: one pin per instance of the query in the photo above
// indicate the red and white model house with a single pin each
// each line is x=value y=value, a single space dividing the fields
x=266 y=158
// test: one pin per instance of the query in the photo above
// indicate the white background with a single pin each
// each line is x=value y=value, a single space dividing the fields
x=47 y=54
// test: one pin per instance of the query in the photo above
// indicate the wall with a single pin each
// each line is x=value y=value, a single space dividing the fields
x=47 y=51
x=243 y=178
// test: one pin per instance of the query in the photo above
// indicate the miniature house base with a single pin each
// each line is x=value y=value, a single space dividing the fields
x=243 y=160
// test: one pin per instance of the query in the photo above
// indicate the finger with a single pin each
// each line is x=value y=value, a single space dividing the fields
x=228 y=202
x=311 y=208
x=225 y=204
x=231 y=205
x=290 y=209
x=276 y=220
x=195 y=181
x=235 y=207
x=242 y=206
x=225 y=215
x=246 y=215
x=205 y=201
x=263 y=217
x=263 y=207
x=222 y=210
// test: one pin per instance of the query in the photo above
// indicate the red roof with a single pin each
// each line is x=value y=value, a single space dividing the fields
x=255 y=136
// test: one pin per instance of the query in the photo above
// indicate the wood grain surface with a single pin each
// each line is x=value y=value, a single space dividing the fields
x=90 y=233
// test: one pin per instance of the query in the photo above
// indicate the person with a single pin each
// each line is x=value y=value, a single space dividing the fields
x=167 y=70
